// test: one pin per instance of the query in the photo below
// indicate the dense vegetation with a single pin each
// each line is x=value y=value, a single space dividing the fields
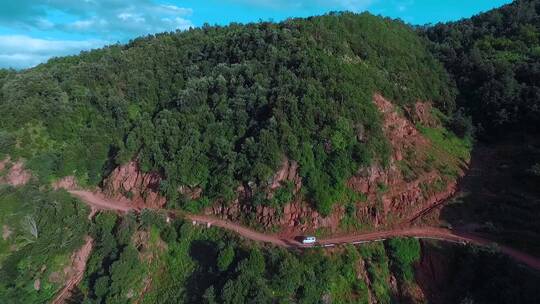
x=503 y=197
x=214 y=107
x=495 y=61
x=217 y=107
x=466 y=274
x=40 y=231
x=144 y=259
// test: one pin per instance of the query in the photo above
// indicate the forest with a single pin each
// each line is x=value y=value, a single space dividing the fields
x=190 y=264
x=40 y=231
x=218 y=107
x=143 y=258
x=494 y=59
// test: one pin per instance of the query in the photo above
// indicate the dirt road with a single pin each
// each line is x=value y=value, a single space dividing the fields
x=76 y=273
x=100 y=202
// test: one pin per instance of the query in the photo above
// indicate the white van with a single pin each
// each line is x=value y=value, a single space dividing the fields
x=309 y=240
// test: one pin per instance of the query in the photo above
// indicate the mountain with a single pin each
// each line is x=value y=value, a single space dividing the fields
x=209 y=142
x=494 y=59
x=217 y=108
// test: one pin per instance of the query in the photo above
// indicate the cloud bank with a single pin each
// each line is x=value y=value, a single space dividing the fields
x=19 y=51
x=109 y=17
x=75 y=24
x=351 y=5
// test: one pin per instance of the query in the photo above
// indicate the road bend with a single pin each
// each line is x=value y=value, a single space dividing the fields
x=100 y=202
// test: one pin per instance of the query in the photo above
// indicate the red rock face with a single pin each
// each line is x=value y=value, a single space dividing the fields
x=420 y=112
x=295 y=216
x=128 y=182
x=400 y=201
x=287 y=173
x=15 y=174
x=400 y=131
x=66 y=183
x=391 y=199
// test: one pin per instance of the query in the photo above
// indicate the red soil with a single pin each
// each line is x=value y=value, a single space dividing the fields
x=16 y=174
x=100 y=202
x=76 y=271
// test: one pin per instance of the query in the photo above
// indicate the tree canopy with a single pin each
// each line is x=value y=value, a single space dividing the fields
x=495 y=61
x=216 y=107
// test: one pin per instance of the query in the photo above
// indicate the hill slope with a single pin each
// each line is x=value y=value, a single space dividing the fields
x=216 y=108
x=495 y=60
x=347 y=112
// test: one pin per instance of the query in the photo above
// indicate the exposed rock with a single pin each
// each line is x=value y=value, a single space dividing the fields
x=398 y=130
x=128 y=182
x=362 y=274
x=37 y=284
x=400 y=199
x=192 y=193
x=287 y=172
x=66 y=183
x=421 y=112
x=16 y=175
x=6 y=232
x=391 y=199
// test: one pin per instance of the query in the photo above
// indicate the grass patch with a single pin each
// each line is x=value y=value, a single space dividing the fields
x=378 y=271
x=448 y=142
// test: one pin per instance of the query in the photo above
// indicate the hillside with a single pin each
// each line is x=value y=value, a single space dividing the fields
x=41 y=232
x=209 y=115
x=494 y=59
x=212 y=152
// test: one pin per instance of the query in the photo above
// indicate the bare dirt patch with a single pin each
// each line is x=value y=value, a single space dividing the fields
x=13 y=173
x=75 y=271
x=6 y=232
x=66 y=183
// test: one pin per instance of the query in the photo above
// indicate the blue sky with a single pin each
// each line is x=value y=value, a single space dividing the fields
x=32 y=31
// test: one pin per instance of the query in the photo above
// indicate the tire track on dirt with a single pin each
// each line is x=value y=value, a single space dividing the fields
x=98 y=201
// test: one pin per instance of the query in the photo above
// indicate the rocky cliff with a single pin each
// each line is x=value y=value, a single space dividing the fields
x=128 y=182
x=394 y=193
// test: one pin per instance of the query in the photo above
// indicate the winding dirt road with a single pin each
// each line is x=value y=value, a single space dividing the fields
x=100 y=202
x=78 y=265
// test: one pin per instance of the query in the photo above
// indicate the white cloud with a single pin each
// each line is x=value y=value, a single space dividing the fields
x=403 y=5
x=117 y=19
x=130 y=20
x=111 y=20
x=355 y=5
x=84 y=24
x=44 y=24
x=20 y=51
x=351 y=5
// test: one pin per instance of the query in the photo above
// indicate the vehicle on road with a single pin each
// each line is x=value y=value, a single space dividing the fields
x=308 y=240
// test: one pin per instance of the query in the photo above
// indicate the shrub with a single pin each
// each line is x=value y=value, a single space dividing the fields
x=404 y=252
x=462 y=125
